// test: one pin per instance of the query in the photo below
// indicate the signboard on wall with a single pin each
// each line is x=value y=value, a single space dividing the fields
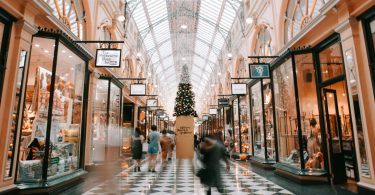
x=223 y=102
x=213 y=111
x=137 y=89
x=110 y=58
x=259 y=71
x=205 y=117
x=152 y=103
x=239 y=88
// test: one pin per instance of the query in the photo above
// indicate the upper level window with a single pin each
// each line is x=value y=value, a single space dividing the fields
x=263 y=43
x=70 y=12
x=298 y=14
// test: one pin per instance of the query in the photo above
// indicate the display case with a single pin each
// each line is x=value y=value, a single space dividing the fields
x=53 y=115
x=262 y=122
x=107 y=130
x=245 y=126
x=236 y=125
x=294 y=96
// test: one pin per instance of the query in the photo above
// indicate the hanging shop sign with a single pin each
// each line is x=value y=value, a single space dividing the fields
x=137 y=89
x=213 y=111
x=152 y=103
x=239 y=88
x=223 y=102
x=259 y=71
x=205 y=117
x=108 y=58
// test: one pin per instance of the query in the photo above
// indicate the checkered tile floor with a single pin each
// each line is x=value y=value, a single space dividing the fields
x=179 y=178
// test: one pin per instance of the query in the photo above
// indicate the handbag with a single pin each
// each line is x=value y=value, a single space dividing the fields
x=145 y=147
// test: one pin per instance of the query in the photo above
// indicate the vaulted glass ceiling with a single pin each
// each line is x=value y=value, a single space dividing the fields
x=178 y=32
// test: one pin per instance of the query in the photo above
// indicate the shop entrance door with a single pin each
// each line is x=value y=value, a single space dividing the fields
x=334 y=136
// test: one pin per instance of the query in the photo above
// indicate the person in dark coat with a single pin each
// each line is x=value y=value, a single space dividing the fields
x=213 y=151
x=137 y=140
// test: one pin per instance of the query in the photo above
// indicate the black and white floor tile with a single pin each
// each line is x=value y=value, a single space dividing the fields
x=179 y=178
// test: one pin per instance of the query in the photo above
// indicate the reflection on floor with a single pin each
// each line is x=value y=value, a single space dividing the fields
x=179 y=178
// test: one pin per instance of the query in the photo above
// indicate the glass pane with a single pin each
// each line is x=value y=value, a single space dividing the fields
x=311 y=131
x=257 y=120
x=114 y=122
x=331 y=62
x=34 y=121
x=67 y=113
x=100 y=120
x=245 y=133
x=339 y=122
x=15 y=114
x=352 y=77
x=286 y=114
x=268 y=113
x=236 y=126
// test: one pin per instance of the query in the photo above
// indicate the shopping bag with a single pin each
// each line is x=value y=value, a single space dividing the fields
x=145 y=147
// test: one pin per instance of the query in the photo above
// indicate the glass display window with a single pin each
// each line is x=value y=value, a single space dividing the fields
x=257 y=120
x=331 y=62
x=52 y=117
x=262 y=120
x=286 y=114
x=245 y=126
x=268 y=120
x=309 y=111
x=15 y=113
x=236 y=125
x=107 y=128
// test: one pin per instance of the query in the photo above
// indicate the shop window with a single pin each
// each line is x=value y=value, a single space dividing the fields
x=268 y=117
x=106 y=121
x=299 y=13
x=244 y=118
x=309 y=112
x=331 y=62
x=70 y=13
x=53 y=129
x=257 y=119
x=15 y=113
x=236 y=125
x=286 y=115
x=362 y=141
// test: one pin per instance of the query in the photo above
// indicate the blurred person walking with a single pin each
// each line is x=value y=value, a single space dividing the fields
x=153 y=148
x=213 y=151
x=137 y=140
x=166 y=146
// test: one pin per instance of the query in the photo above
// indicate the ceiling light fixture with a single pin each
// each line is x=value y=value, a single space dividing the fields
x=249 y=20
x=46 y=51
x=70 y=56
x=183 y=59
x=139 y=54
x=230 y=55
x=219 y=73
x=37 y=45
x=184 y=26
x=121 y=18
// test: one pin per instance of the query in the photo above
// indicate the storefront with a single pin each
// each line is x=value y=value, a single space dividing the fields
x=312 y=114
x=107 y=129
x=51 y=141
x=261 y=109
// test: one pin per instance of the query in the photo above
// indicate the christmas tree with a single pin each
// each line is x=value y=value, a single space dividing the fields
x=185 y=97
